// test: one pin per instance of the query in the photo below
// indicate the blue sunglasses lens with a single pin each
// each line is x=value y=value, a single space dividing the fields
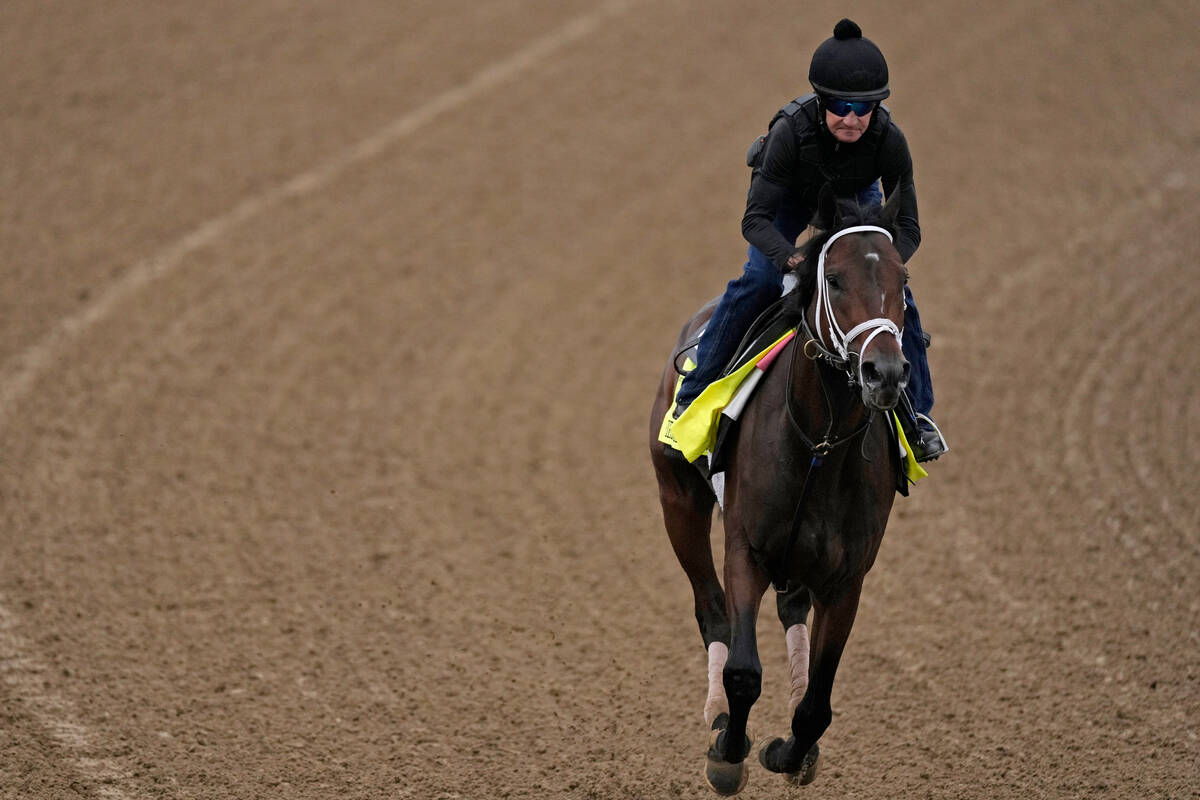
x=840 y=108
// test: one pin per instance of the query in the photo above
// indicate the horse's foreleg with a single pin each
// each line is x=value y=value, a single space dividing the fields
x=832 y=624
x=793 y=606
x=831 y=628
x=745 y=584
x=778 y=755
x=742 y=675
x=797 y=647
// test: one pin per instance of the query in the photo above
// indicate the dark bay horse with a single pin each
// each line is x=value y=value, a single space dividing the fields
x=809 y=483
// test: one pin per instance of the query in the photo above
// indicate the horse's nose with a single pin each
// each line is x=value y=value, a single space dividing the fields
x=884 y=378
x=886 y=372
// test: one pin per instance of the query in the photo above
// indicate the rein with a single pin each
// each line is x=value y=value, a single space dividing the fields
x=823 y=448
x=818 y=450
x=840 y=360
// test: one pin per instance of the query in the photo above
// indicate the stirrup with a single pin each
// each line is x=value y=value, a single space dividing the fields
x=936 y=453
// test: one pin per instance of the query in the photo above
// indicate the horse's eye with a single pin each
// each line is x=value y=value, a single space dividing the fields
x=833 y=282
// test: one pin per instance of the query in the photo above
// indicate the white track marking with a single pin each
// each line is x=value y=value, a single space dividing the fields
x=18 y=377
x=22 y=672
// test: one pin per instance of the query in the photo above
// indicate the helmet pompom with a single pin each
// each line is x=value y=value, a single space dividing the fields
x=847 y=29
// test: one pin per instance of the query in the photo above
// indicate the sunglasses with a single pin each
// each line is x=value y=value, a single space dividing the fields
x=840 y=108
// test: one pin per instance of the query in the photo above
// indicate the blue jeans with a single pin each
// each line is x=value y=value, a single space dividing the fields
x=746 y=296
x=920 y=385
x=758 y=286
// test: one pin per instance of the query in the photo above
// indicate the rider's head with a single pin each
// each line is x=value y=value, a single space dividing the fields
x=849 y=66
x=850 y=76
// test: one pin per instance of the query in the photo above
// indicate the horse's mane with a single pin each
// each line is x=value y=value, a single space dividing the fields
x=847 y=213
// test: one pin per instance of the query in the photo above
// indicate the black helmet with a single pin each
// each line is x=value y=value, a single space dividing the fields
x=849 y=66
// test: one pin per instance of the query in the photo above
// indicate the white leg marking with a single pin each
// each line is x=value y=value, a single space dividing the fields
x=716 y=703
x=797 y=645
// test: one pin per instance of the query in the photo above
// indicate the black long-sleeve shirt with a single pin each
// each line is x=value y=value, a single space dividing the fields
x=800 y=156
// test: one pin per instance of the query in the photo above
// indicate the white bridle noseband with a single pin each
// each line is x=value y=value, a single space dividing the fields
x=839 y=341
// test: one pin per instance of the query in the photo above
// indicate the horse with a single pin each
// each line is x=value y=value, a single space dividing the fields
x=810 y=478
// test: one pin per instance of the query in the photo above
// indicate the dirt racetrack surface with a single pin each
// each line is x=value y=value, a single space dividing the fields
x=328 y=334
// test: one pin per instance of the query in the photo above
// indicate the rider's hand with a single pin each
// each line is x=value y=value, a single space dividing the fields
x=795 y=259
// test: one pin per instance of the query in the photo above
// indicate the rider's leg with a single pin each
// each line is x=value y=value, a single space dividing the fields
x=745 y=298
x=871 y=196
x=920 y=387
x=928 y=443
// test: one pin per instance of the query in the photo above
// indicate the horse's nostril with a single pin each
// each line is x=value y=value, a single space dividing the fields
x=885 y=373
x=870 y=373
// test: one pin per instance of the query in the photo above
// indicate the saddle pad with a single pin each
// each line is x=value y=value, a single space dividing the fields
x=695 y=431
x=912 y=470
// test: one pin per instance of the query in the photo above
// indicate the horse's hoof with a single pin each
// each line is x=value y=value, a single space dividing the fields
x=769 y=757
x=808 y=768
x=722 y=777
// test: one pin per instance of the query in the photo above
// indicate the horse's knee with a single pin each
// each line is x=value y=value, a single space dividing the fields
x=743 y=684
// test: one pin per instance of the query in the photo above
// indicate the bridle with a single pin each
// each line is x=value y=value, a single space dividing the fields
x=837 y=349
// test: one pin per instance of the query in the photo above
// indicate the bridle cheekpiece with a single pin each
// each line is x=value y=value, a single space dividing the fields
x=839 y=341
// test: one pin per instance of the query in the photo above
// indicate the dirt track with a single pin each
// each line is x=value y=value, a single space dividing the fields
x=327 y=339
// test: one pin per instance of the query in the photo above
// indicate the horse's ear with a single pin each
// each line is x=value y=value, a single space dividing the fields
x=826 y=217
x=891 y=209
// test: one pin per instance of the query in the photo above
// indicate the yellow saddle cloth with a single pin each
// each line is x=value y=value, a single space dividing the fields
x=695 y=432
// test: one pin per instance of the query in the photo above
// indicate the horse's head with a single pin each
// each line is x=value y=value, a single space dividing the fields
x=853 y=293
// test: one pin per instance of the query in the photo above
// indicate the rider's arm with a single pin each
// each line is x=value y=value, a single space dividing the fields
x=897 y=173
x=767 y=189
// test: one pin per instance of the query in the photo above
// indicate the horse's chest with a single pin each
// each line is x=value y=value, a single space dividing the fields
x=827 y=536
